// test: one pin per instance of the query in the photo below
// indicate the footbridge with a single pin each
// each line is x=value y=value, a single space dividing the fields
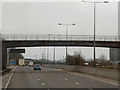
x=33 y=40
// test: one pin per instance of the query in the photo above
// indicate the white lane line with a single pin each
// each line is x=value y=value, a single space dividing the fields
x=95 y=79
x=66 y=78
x=110 y=83
x=57 y=69
x=43 y=84
x=77 y=83
x=10 y=78
x=90 y=88
x=38 y=79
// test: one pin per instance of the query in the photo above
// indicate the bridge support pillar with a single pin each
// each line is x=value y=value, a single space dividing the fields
x=0 y=55
x=4 y=56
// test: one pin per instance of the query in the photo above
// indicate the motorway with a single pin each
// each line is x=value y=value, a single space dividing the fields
x=52 y=79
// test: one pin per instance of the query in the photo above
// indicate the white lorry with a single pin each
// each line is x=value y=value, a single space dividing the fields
x=21 y=62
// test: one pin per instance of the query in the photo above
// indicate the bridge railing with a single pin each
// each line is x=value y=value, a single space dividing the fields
x=21 y=37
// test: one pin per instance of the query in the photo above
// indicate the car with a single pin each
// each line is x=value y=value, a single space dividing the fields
x=26 y=64
x=37 y=67
x=30 y=64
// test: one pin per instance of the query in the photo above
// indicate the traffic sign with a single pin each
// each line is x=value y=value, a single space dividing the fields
x=17 y=50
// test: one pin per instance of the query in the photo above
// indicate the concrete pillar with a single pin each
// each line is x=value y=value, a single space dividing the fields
x=0 y=54
x=0 y=63
x=4 y=56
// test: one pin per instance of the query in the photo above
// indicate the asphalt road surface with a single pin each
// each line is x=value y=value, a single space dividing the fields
x=49 y=78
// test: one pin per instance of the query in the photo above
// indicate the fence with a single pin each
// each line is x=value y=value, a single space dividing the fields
x=59 y=37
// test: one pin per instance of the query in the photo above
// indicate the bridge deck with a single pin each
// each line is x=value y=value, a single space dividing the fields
x=109 y=44
x=60 y=40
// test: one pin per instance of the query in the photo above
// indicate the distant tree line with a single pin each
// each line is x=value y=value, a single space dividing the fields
x=78 y=59
x=75 y=59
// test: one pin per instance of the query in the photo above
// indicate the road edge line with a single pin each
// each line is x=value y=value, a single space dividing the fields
x=95 y=79
x=9 y=78
x=89 y=77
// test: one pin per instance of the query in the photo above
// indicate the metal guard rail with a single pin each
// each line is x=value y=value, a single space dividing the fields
x=21 y=37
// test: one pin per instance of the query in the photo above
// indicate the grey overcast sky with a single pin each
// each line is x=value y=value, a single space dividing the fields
x=33 y=17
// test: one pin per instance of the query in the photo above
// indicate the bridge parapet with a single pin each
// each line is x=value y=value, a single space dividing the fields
x=56 y=37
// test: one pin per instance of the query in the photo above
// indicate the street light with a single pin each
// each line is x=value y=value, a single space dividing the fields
x=95 y=21
x=48 y=49
x=95 y=1
x=35 y=56
x=59 y=36
x=54 y=52
x=66 y=33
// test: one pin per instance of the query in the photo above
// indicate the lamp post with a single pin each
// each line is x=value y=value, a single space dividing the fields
x=42 y=57
x=66 y=25
x=44 y=54
x=59 y=36
x=95 y=23
x=35 y=56
x=54 y=52
x=48 y=49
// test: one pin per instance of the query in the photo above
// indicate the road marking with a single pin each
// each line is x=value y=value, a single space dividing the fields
x=111 y=83
x=38 y=79
x=10 y=78
x=95 y=79
x=43 y=84
x=65 y=78
x=57 y=69
x=77 y=83
x=90 y=88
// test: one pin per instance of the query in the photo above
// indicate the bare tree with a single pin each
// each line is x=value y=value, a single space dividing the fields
x=102 y=57
x=75 y=59
x=103 y=60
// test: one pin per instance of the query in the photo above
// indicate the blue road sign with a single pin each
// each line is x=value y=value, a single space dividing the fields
x=12 y=62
